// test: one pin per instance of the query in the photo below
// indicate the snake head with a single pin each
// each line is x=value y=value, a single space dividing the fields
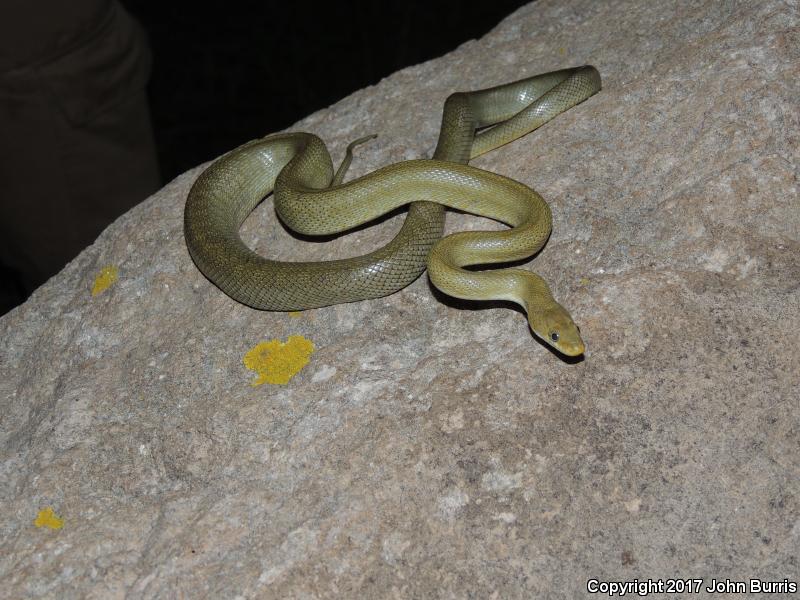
x=557 y=329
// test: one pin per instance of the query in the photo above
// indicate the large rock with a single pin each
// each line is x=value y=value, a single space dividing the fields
x=428 y=449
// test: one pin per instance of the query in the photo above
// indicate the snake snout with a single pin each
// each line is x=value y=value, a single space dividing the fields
x=573 y=348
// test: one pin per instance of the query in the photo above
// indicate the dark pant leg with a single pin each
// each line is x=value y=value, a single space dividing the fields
x=76 y=149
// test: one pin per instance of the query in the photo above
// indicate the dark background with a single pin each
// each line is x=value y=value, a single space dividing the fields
x=225 y=73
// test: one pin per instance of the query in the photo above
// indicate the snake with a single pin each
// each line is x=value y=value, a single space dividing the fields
x=312 y=199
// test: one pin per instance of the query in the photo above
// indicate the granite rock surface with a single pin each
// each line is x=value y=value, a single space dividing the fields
x=432 y=448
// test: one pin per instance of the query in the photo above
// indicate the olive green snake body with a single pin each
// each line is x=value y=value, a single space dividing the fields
x=310 y=199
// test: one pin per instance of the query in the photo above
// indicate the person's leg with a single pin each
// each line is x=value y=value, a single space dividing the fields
x=76 y=148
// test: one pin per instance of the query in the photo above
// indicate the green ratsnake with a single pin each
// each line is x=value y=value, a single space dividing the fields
x=312 y=200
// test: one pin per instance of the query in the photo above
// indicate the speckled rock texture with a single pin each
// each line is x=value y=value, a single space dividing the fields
x=432 y=448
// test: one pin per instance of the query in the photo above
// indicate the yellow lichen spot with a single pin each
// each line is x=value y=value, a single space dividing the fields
x=295 y=313
x=105 y=279
x=562 y=51
x=584 y=281
x=48 y=518
x=276 y=361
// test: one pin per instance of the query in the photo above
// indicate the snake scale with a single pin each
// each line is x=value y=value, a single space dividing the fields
x=312 y=200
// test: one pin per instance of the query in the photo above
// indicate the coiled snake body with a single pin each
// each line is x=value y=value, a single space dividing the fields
x=312 y=200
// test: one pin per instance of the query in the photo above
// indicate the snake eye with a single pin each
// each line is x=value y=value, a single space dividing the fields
x=554 y=336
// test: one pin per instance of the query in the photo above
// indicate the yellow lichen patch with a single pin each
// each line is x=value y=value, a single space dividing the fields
x=276 y=361
x=295 y=313
x=48 y=518
x=584 y=281
x=105 y=279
